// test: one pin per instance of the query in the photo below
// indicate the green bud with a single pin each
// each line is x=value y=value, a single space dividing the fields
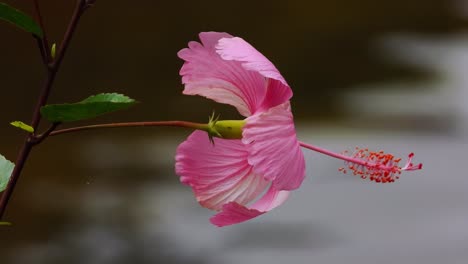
x=53 y=50
x=227 y=129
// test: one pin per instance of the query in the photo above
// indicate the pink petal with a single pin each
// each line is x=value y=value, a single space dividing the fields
x=205 y=73
x=217 y=173
x=237 y=49
x=274 y=151
x=234 y=213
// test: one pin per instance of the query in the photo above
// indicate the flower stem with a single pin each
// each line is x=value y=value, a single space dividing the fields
x=185 y=124
x=52 y=68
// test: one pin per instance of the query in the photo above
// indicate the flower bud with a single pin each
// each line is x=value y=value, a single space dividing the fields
x=227 y=129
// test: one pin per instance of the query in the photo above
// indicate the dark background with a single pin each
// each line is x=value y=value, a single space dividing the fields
x=322 y=48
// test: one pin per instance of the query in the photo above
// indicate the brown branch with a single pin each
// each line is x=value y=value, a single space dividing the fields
x=52 y=68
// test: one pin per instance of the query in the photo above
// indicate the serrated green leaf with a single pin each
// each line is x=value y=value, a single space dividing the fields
x=19 y=19
x=88 y=108
x=6 y=168
x=22 y=126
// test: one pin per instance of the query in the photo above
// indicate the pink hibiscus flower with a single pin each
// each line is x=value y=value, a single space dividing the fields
x=229 y=175
x=246 y=175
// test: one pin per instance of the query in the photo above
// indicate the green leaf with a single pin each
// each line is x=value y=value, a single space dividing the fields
x=19 y=19
x=88 y=108
x=6 y=168
x=22 y=126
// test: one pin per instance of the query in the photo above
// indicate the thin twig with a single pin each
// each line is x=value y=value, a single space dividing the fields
x=42 y=50
x=39 y=138
x=55 y=65
x=45 y=42
x=185 y=124
x=52 y=69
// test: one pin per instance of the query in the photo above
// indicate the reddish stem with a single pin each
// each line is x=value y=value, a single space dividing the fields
x=185 y=124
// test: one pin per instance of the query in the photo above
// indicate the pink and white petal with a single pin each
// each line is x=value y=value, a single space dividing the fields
x=272 y=199
x=205 y=73
x=276 y=94
x=219 y=91
x=237 y=49
x=219 y=173
x=234 y=213
x=274 y=151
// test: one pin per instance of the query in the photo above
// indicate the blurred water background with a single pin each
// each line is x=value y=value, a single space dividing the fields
x=384 y=74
